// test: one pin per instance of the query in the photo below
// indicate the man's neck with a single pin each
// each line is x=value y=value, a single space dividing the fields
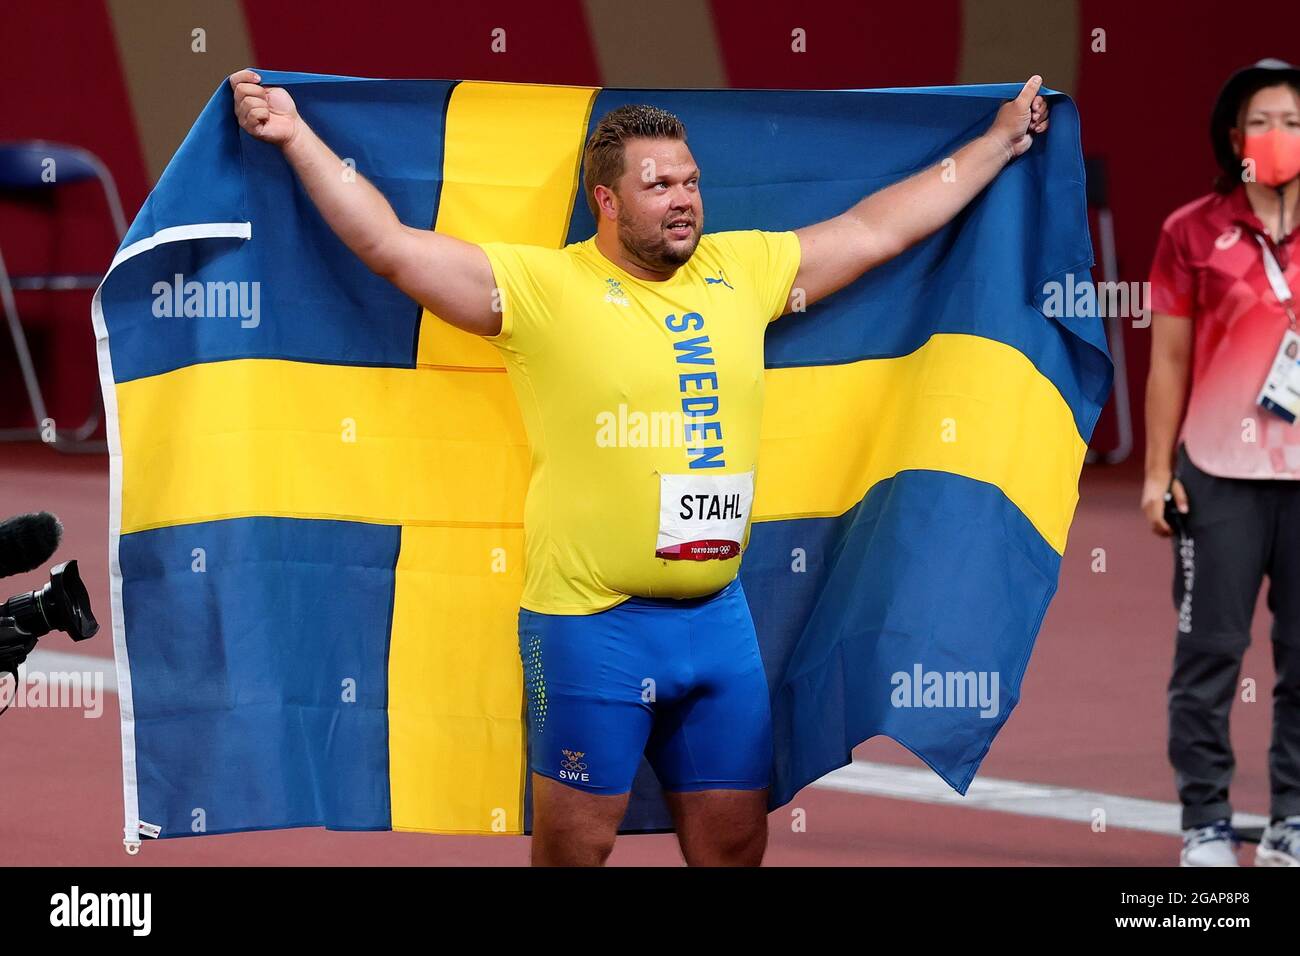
x=613 y=250
x=1265 y=204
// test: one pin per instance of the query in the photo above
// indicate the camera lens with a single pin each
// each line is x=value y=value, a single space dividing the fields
x=61 y=605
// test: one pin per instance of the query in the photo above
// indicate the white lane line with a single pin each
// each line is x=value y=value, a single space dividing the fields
x=919 y=784
x=922 y=785
x=46 y=662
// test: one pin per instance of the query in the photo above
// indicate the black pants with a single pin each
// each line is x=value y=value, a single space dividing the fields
x=1236 y=532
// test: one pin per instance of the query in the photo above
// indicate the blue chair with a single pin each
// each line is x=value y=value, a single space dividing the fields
x=27 y=166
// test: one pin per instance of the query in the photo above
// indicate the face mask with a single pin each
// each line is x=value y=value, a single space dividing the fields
x=1276 y=155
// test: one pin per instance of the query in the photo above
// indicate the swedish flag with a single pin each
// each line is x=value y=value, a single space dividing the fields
x=317 y=488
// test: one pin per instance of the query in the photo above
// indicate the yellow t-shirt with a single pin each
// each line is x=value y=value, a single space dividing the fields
x=642 y=403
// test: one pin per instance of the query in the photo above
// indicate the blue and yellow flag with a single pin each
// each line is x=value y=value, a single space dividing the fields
x=318 y=488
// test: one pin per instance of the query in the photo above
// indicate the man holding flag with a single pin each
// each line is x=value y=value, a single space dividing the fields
x=635 y=635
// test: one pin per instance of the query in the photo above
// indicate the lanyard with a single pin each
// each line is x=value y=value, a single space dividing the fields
x=1276 y=279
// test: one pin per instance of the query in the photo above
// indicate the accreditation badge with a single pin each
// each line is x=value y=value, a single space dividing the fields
x=703 y=517
x=1281 y=392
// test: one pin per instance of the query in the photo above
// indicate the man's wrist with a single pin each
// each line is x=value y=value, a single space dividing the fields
x=999 y=143
x=296 y=141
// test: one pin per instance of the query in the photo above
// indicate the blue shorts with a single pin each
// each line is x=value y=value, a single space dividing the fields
x=680 y=681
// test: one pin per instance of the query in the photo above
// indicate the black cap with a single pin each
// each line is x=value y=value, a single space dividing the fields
x=1267 y=72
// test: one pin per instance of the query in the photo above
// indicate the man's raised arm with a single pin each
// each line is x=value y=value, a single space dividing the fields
x=451 y=278
x=837 y=251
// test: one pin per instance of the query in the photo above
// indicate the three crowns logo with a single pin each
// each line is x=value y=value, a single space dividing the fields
x=614 y=292
x=572 y=760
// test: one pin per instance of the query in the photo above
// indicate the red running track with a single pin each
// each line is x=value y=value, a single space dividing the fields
x=1091 y=716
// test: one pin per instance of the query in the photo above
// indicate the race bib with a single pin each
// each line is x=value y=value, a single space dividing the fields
x=1281 y=392
x=703 y=517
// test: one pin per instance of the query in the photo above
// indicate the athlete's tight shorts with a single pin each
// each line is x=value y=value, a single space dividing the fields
x=680 y=681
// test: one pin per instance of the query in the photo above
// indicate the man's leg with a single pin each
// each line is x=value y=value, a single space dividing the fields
x=712 y=747
x=587 y=727
x=720 y=827
x=572 y=827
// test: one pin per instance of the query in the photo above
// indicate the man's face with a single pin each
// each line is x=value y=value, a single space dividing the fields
x=660 y=211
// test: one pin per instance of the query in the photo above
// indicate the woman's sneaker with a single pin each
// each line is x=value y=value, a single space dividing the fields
x=1280 y=844
x=1211 y=845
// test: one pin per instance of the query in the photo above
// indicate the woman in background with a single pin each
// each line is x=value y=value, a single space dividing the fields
x=1224 y=480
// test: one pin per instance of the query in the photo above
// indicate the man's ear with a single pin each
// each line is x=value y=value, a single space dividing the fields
x=605 y=201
